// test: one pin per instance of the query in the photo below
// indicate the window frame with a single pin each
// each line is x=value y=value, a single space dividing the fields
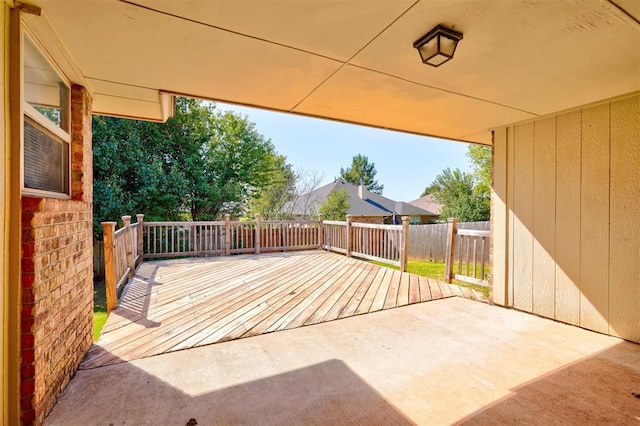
x=57 y=132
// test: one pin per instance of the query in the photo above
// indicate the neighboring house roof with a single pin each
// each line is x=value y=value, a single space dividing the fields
x=362 y=202
x=429 y=203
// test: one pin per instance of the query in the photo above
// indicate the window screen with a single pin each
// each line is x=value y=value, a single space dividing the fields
x=46 y=159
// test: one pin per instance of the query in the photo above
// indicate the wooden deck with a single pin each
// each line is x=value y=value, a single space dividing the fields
x=178 y=304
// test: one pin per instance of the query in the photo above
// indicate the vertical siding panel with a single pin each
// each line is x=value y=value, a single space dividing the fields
x=510 y=215
x=499 y=231
x=594 y=227
x=523 y=218
x=568 y=217
x=624 y=307
x=544 y=220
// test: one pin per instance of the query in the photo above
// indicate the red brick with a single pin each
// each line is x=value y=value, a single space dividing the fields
x=27 y=280
x=27 y=387
x=27 y=297
x=27 y=325
x=27 y=310
x=32 y=204
x=27 y=371
x=27 y=341
x=28 y=249
x=28 y=417
x=60 y=275
x=27 y=265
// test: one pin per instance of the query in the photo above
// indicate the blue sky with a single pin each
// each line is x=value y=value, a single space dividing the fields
x=405 y=163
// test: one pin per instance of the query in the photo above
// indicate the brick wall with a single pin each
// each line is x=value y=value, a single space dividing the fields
x=57 y=312
x=57 y=278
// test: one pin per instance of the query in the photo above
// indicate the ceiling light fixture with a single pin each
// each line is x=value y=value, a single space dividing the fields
x=438 y=45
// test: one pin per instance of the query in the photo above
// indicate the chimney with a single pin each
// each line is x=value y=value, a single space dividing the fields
x=361 y=191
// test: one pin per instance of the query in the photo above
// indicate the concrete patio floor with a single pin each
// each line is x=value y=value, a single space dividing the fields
x=443 y=362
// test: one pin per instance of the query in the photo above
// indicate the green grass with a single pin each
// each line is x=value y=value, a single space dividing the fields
x=99 y=308
x=434 y=270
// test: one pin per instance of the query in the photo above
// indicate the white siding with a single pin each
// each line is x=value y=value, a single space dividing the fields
x=567 y=217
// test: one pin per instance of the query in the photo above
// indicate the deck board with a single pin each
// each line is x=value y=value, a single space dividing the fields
x=177 y=304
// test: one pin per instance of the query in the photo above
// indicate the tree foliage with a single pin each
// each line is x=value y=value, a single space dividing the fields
x=200 y=164
x=335 y=206
x=273 y=200
x=455 y=190
x=465 y=196
x=362 y=172
x=480 y=158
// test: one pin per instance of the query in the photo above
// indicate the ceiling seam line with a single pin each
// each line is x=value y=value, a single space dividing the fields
x=126 y=97
x=623 y=10
x=382 y=31
x=120 y=83
x=445 y=90
x=226 y=30
x=347 y=62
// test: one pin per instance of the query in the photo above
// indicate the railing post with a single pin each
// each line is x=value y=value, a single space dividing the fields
x=320 y=232
x=140 y=248
x=227 y=234
x=257 y=238
x=284 y=228
x=348 y=248
x=131 y=259
x=109 y=265
x=404 y=248
x=451 y=248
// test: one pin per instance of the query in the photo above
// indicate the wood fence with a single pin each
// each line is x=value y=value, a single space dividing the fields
x=126 y=247
x=429 y=242
x=223 y=238
x=467 y=256
x=383 y=243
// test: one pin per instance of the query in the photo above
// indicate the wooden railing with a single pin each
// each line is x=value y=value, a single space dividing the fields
x=127 y=246
x=181 y=239
x=383 y=243
x=466 y=255
x=121 y=255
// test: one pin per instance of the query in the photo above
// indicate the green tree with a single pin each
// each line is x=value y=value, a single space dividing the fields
x=480 y=158
x=237 y=164
x=199 y=164
x=279 y=192
x=455 y=190
x=361 y=172
x=336 y=205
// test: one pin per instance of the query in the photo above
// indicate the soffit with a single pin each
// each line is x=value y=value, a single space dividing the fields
x=351 y=60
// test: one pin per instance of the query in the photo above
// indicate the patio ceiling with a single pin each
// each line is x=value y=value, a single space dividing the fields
x=351 y=61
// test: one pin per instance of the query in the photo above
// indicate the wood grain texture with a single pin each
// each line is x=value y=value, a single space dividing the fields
x=178 y=304
x=523 y=217
x=624 y=273
x=544 y=217
x=568 y=190
x=594 y=226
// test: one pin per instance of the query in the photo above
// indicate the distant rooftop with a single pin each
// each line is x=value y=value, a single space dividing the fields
x=362 y=202
x=428 y=203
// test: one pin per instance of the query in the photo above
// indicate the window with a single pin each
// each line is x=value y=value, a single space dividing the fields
x=46 y=125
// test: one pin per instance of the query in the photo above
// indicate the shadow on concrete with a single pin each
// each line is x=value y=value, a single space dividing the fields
x=601 y=389
x=434 y=370
x=325 y=393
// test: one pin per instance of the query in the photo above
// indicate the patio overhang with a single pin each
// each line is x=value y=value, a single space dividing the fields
x=353 y=61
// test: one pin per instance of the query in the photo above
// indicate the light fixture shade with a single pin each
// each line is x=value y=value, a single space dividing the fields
x=438 y=45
